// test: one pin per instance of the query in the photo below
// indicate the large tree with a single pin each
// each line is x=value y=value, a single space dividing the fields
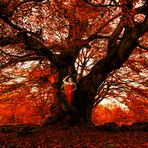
x=86 y=39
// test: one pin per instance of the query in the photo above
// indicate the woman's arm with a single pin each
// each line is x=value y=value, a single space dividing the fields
x=75 y=87
x=65 y=80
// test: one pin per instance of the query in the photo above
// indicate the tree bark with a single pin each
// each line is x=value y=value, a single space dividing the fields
x=116 y=57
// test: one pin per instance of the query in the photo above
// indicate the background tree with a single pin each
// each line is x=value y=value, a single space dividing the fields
x=87 y=39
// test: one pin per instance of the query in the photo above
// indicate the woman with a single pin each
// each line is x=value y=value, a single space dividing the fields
x=69 y=86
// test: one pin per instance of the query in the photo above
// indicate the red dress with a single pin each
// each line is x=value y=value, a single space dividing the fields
x=69 y=93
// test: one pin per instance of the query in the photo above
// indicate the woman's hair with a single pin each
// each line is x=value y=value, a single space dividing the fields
x=70 y=80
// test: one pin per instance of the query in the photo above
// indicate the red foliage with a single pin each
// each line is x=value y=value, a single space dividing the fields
x=84 y=30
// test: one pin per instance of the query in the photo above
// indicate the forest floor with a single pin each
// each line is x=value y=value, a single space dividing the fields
x=63 y=136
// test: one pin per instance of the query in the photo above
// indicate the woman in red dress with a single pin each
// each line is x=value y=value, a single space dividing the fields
x=69 y=86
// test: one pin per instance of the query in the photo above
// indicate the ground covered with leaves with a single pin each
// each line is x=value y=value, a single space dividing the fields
x=64 y=136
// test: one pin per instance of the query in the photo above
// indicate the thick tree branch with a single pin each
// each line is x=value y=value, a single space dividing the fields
x=143 y=27
x=104 y=5
x=26 y=1
x=77 y=45
x=15 y=59
x=111 y=61
x=4 y=41
x=6 y=12
x=143 y=9
x=143 y=47
x=7 y=21
x=33 y=44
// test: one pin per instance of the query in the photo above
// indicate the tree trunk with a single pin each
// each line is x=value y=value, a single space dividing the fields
x=87 y=87
x=82 y=99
